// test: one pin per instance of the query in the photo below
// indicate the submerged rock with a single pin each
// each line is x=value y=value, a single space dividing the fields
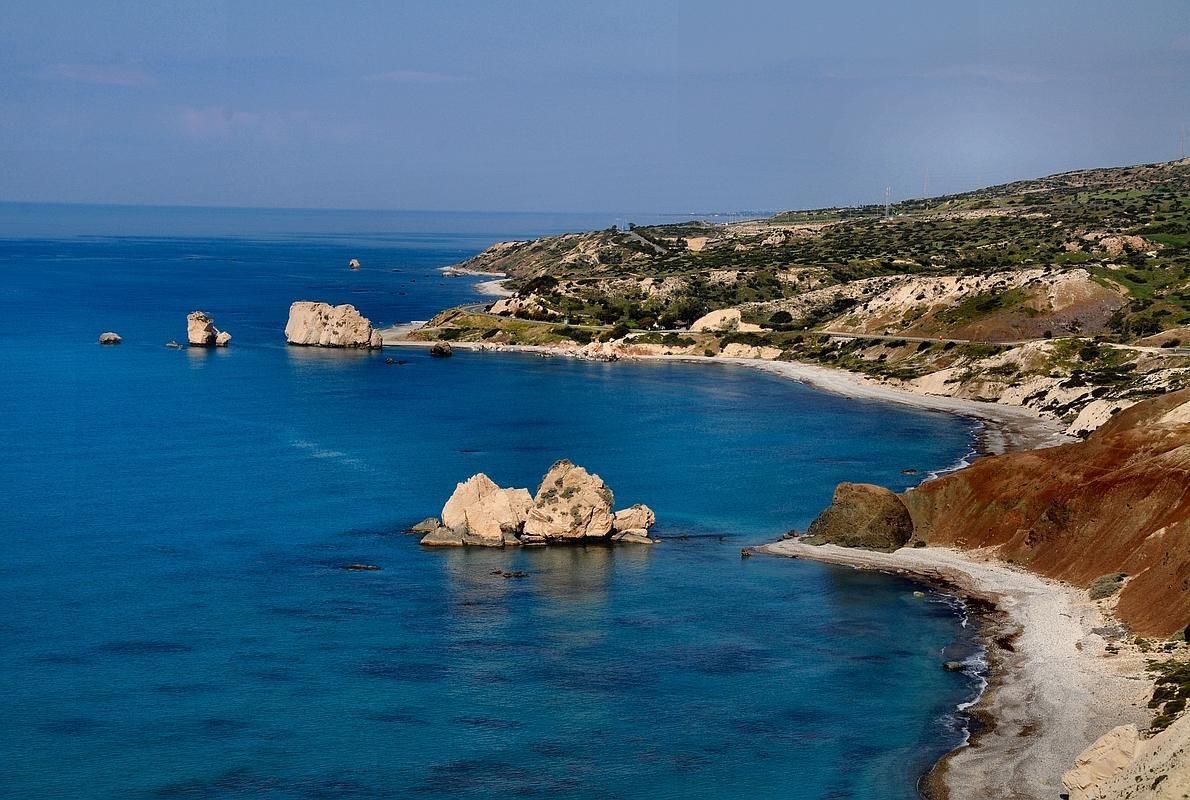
x=323 y=325
x=443 y=537
x=109 y=337
x=361 y=567
x=865 y=516
x=633 y=536
x=173 y=345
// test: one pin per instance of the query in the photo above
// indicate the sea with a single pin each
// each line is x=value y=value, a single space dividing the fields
x=175 y=616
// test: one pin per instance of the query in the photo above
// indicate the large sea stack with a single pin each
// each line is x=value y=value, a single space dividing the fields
x=323 y=325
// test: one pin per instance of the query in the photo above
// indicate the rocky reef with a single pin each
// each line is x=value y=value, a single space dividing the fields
x=201 y=331
x=323 y=325
x=1117 y=503
x=571 y=505
x=109 y=337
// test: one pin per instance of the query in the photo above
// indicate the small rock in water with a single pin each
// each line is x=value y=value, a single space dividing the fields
x=109 y=338
x=173 y=345
x=745 y=553
x=908 y=472
x=954 y=666
x=361 y=567
x=506 y=574
x=390 y=360
x=353 y=263
x=427 y=525
x=441 y=350
x=919 y=594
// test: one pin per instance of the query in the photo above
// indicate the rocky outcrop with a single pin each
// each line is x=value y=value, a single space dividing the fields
x=722 y=321
x=441 y=350
x=571 y=505
x=201 y=331
x=324 y=325
x=634 y=517
x=485 y=514
x=109 y=337
x=863 y=515
x=1121 y=764
x=353 y=264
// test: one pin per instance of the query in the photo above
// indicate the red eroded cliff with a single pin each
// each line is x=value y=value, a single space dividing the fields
x=1118 y=502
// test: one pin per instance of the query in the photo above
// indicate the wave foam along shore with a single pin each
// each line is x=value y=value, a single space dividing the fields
x=1052 y=691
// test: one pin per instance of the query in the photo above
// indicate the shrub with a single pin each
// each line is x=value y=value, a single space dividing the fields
x=1106 y=585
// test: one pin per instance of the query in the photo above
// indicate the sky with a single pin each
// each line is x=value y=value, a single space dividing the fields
x=671 y=106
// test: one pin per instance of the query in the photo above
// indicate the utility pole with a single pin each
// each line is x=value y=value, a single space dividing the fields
x=888 y=202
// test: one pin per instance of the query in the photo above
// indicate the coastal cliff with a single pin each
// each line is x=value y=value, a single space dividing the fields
x=1116 y=503
x=1116 y=506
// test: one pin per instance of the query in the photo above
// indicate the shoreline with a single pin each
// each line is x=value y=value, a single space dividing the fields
x=1051 y=689
x=1005 y=429
x=492 y=288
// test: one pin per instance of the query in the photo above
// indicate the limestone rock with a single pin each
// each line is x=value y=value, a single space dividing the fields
x=441 y=350
x=633 y=536
x=200 y=329
x=426 y=525
x=863 y=515
x=353 y=263
x=634 y=517
x=109 y=338
x=443 y=537
x=488 y=514
x=222 y=339
x=324 y=325
x=570 y=504
x=722 y=321
x=1108 y=756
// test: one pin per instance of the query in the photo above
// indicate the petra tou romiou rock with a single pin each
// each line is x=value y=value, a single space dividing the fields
x=109 y=337
x=201 y=331
x=323 y=325
x=571 y=505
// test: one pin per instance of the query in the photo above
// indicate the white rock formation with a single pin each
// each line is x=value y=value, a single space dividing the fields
x=638 y=516
x=201 y=330
x=222 y=339
x=324 y=325
x=571 y=504
x=724 y=320
x=1121 y=764
x=485 y=513
x=353 y=264
x=109 y=337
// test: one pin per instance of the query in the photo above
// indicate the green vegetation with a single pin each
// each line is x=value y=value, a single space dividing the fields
x=1171 y=691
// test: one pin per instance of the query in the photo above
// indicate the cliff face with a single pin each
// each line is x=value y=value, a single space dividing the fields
x=1118 y=502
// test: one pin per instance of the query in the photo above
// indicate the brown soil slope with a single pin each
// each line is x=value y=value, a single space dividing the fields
x=1118 y=502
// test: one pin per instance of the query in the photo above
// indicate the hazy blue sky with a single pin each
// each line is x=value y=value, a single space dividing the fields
x=666 y=106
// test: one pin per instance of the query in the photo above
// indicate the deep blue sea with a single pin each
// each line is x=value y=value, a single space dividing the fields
x=175 y=621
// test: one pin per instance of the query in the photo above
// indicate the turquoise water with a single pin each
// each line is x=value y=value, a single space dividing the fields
x=174 y=616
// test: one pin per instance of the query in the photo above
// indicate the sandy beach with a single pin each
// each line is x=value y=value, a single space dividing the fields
x=1053 y=688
